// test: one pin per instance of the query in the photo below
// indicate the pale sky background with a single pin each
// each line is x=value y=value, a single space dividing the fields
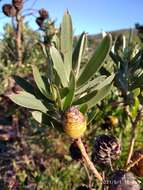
x=91 y=16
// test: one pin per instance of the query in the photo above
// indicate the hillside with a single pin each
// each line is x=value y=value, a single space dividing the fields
x=96 y=38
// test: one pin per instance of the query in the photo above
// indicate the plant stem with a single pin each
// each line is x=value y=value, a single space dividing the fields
x=19 y=38
x=133 y=136
x=15 y=125
x=87 y=161
x=88 y=175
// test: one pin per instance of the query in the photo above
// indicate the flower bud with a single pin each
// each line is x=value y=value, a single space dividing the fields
x=43 y=13
x=9 y=10
x=74 y=123
x=18 y=4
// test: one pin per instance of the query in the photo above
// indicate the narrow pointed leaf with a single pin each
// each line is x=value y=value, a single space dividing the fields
x=63 y=92
x=37 y=115
x=46 y=119
x=85 y=98
x=39 y=82
x=70 y=95
x=107 y=81
x=28 y=100
x=84 y=108
x=24 y=84
x=66 y=41
x=55 y=40
x=59 y=66
x=78 y=53
x=91 y=99
x=116 y=58
x=92 y=115
x=57 y=95
x=96 y=60
x=101 y=94
x=90 y=84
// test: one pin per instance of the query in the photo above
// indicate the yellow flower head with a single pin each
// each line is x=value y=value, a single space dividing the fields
x=74 y=123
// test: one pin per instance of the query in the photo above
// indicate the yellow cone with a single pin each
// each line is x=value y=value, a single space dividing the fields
x=74 y=123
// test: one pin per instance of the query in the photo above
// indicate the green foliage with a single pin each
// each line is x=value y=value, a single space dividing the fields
x=96 y=61
x=70 y=96
x=29 y=101
x=78 y=53
x=128 y=67
x=8 y=50
x=65 y=61
x=59 y=66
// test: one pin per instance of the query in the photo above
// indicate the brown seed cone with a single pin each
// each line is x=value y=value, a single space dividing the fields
x=106 y=149
x=18 y=4
x=74 y=123
x=40 y=21
x=138 y=168
x=9 y=10
x=121 y=180
x=43 y=13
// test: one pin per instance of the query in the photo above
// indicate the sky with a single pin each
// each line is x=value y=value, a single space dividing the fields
x=91 y=16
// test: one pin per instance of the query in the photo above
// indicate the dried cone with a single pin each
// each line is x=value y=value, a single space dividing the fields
x=74 y=123
x=18 y=4
x=40 y=21
x=9 y=10
x=106 y=149
x=138 y=168
x=43 y=13
x=121 y=180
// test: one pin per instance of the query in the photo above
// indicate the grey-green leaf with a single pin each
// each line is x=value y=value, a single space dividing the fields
x=39 y=82
x=70 y=95
x=24 y=84
x=67 y=41
x=78 y=53
x=85 y=98
x=59 y=66
x=91 y=84
x=29 y=101
x=37 y=115
x=101 y=94
x=96 y=60
x=107 y=81
x=91 y=99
